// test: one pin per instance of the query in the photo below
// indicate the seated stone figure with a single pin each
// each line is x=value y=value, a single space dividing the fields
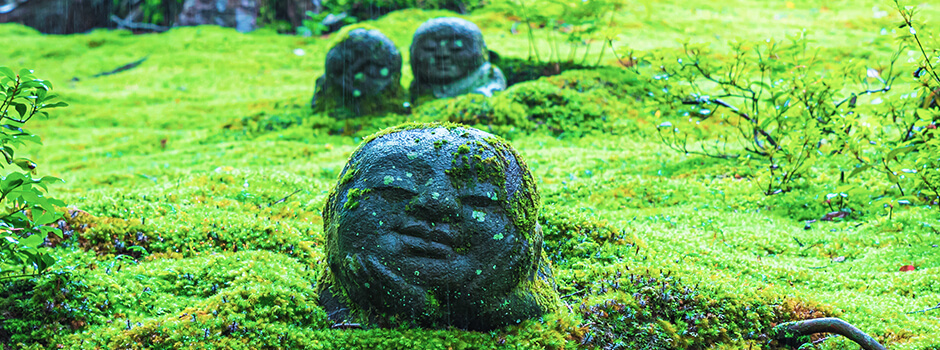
x=434 y=225
x=362 y=77
x=449 y=58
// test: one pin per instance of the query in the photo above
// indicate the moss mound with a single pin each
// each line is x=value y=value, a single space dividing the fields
x=571 y=104
x=203 y=176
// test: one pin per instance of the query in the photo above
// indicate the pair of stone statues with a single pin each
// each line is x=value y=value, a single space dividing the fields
x=363 y=71
x=435 y=225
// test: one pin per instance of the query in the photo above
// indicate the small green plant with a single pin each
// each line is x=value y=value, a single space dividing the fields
x=771 y=101
x=312 y=24
x=578 y=24
x=900 y=142
x=157 y=12
x=26 y=211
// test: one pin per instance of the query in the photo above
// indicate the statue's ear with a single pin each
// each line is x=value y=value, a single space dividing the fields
x=493 y=56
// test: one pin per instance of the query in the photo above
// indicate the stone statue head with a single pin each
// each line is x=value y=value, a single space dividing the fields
x=445 y=49
x=435 y=224
x=363 y=64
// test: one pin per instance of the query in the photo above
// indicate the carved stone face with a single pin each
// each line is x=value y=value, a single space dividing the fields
x=363 y=64
x=446 y=49
x=432 y=224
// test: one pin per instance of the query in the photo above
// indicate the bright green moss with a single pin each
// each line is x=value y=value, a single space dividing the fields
x=353 y=196
x=148 y=151
x=569 y=104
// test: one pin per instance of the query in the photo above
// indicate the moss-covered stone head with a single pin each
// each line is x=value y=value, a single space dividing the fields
x=445 y=49
x=364 y=63
x=434 y=224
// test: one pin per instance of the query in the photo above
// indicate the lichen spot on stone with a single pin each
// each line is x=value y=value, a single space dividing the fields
x=384 y=72
x=388 y=179
x=479 y=215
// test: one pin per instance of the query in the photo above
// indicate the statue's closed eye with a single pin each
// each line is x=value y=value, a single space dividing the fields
x=395 y=194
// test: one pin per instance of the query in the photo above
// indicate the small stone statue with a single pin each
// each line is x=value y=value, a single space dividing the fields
x=449 y=58
x=239 y=14
x=362 y=77
x=434 y=225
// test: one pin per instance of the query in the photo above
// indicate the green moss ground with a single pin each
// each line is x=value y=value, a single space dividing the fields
x=206 y=158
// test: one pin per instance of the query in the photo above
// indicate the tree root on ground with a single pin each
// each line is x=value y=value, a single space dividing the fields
x=797 y=333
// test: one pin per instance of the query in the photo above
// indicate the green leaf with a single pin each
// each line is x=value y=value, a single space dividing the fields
x=7 y=72
x=46 y=217
x=47 y=261
x=761 y=84
x=29 y=84
x=41 y=95
x=31 y=256
x=139 y=249
x=7 y=153
x=892 y=177
x=33 y=241
x=897 y=151
x=55 y=105
x=859 y=170
x=20 y=108
x=12 y=128
x=47 y=230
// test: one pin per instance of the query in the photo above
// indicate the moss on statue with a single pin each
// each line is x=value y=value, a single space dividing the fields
x=362 y=77
x=449 y=58
x=447 y=237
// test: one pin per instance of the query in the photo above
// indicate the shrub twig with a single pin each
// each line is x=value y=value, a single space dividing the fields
x=925 y=310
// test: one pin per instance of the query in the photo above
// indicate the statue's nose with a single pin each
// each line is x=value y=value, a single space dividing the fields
x=435 y=204
x=443 y=52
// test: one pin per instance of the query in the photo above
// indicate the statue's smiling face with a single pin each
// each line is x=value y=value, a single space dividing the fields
x=446 y=49
x=424 y=217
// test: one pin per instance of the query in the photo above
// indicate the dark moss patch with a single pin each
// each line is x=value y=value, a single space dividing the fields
x=636 y=310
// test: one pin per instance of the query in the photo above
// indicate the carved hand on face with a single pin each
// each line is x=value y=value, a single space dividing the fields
x=446 y=49
x=424 y=226
x=363 y=64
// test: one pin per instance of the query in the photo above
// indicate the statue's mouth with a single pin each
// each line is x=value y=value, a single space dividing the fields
x=420 y=240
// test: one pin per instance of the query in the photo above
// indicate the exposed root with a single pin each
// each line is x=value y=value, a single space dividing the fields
x=796 y=333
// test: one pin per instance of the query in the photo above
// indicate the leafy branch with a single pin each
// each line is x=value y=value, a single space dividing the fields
x=772 y=100
x=24 y=225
